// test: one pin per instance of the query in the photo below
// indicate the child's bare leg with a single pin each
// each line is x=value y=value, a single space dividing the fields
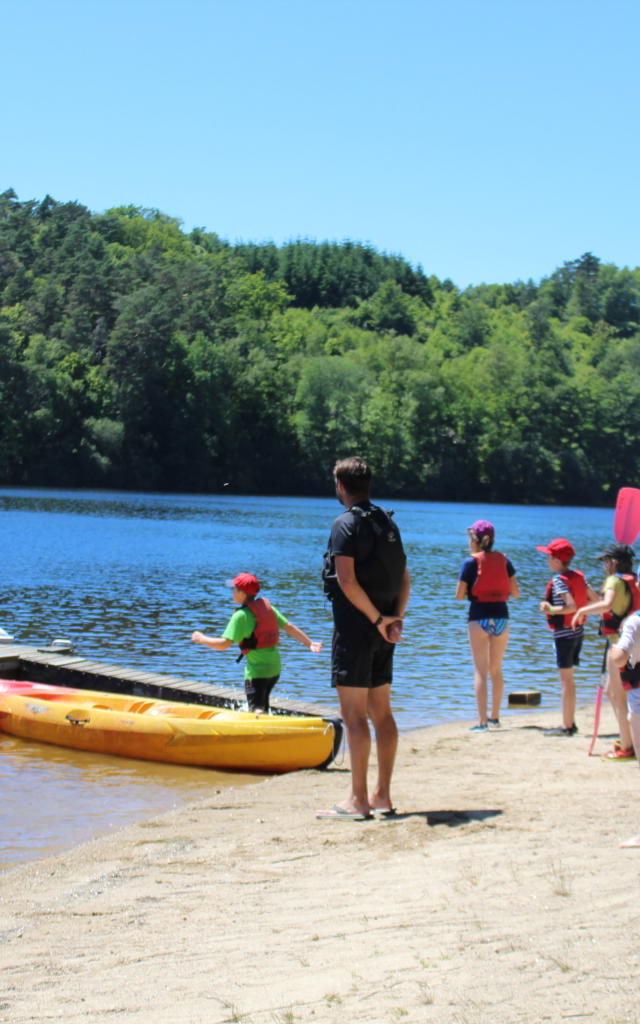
x=568 y=697
x=633 y=700
x=618 y=698
x=497 y=647
x=479 y=643
x=634 y=720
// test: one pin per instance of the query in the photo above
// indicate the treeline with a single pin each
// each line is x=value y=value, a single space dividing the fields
x=134 y=355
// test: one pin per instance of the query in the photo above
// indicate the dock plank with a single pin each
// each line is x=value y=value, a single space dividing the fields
x=20 y=661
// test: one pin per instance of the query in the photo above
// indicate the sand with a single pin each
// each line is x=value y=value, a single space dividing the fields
x=499 y=893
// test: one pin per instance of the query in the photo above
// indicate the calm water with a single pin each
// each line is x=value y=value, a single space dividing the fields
x=127 y=577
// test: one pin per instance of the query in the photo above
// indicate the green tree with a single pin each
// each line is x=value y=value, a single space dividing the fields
x=328 y=409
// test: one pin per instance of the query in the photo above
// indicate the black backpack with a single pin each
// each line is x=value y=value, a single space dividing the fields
x=380 y=559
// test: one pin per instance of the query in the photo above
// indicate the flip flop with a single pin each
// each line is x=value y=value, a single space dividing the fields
x=384 y=812
x=337 y=813
x=634 y=841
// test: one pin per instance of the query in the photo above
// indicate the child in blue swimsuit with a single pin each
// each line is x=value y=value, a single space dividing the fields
x=487 y=579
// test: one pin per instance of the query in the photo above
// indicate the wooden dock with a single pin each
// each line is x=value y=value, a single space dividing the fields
x=62 y=667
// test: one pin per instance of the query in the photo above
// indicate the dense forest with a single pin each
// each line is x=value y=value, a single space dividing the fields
x=135 y=355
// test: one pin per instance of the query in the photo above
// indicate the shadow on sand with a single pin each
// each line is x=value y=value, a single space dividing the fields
x=450 y=818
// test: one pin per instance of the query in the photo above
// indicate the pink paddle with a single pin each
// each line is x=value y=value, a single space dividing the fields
x=626 y=520
x=626 y=527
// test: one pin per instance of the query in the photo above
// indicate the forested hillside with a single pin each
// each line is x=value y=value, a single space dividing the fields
x=135 y=355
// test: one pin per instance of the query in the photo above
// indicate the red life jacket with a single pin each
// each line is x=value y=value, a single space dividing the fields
x=577 y=588
x=492 y=582
x=266 y=632
x=610 y=621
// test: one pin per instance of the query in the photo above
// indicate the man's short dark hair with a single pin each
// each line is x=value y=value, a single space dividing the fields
x=354 y=475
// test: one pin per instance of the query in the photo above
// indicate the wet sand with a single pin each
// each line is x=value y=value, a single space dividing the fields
x=498 y=893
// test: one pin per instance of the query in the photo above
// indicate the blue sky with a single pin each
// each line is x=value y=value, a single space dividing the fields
x=486 y=140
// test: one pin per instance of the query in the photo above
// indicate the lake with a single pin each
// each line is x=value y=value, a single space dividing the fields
x=128 y=577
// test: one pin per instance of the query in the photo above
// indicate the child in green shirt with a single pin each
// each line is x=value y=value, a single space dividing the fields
x=255 y=627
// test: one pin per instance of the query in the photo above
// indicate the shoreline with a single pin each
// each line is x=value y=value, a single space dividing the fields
x=77 y=827
x=498 y=893
x=69 y=816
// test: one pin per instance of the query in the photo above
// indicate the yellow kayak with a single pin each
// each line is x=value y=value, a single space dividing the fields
x=156 y=730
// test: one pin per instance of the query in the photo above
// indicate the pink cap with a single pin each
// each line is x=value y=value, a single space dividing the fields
x=482 y=528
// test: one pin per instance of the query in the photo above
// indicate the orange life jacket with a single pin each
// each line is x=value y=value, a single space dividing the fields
x=577 y=588
x=266 y=632
x=610 y=621
x=492 y=582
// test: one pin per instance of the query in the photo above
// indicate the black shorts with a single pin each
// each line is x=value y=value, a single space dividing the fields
x=568 y=650
x=258 y=691
x=360 y=656
x=630 y=676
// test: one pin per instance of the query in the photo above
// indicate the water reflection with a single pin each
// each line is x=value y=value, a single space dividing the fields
x=53 y=798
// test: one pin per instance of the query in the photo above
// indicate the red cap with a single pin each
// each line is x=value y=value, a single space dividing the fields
x=245 y=581
x=559 y=548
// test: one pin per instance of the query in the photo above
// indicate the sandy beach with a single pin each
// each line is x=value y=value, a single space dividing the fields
x=498 y=893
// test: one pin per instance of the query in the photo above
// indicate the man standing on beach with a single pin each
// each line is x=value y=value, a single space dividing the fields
x=367 y=580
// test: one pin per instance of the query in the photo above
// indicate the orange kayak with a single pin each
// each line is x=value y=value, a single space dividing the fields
x=168 y=731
